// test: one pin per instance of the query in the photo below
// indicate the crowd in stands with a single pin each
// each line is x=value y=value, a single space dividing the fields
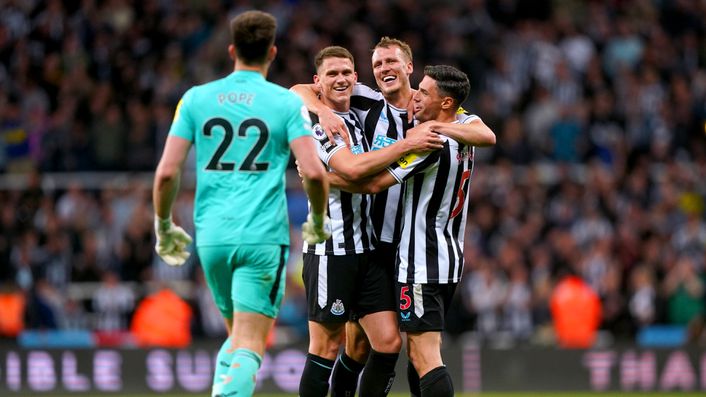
x=600 y=167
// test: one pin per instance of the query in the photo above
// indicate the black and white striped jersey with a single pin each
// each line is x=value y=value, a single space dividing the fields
x=435 y=205
x=384 y=125
x=351 y=230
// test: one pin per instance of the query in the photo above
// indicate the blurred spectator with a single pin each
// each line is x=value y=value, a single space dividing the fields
x=567 y=142
x=690 y=238
x=45 y=306
x=86 y=265
x=112 y=303
x=517 y=308
x=685 y=292
x=107 y=132
x=624 y=49
x=643 y=298
x=136 y=252
x=541 y=283
x=487 y=292
x=25 y=258
x=7 y=233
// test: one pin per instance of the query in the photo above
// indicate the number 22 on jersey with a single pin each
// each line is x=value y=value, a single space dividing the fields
x=249 y=163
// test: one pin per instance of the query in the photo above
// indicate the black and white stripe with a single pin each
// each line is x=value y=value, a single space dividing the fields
x=435 y=200
x=351 y=230
x=384 y=124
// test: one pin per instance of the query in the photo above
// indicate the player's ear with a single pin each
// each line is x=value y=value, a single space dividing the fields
x=410 y=68
x=272 y=53
x=231 y=51
x=355 y=77
x=447 y=103
x=317 y=82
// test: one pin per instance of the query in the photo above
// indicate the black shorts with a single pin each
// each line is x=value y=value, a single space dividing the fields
x=422 y=307
x=344 y=287
x=385 y=255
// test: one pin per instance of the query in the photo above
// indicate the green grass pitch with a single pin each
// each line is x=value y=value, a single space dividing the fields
x=518 y=394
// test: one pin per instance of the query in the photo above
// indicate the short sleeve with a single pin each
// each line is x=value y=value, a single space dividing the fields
x=463 y=117
x=324 y=147
x=298 y=121
x=183 y=123
x=410 y=164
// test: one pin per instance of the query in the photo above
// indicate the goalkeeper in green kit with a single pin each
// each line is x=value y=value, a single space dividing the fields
x=242 y=128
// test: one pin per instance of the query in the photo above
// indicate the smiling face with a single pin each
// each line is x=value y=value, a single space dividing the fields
x=335 y=79
x=391 y=69
x=427 y=100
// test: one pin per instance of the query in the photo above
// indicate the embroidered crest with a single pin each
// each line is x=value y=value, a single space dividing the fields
x=337 y=308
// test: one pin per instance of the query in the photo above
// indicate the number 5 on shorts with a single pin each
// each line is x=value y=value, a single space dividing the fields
x=405 y=300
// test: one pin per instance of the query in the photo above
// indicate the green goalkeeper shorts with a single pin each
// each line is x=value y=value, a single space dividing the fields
x=245 y=278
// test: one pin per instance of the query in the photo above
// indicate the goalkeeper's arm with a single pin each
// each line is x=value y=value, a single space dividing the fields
x=168 y=175
x=171 y=239
x=312 y=173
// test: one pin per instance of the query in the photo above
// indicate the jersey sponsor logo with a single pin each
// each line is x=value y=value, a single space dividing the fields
x=406 y=160
x=357 y=149
x=176 y=112
x=381 y=141
x=318 y=132
x=337 y=308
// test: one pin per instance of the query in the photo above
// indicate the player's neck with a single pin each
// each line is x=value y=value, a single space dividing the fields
x=337 y=106
x=446 y=117
x=262 y=69
x=401 y=98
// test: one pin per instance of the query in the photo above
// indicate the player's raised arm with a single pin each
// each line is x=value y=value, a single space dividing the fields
x=474 y=132
x=331 y=123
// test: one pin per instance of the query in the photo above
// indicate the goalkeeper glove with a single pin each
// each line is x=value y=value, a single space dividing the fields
x=316 y=229
x=171 y=242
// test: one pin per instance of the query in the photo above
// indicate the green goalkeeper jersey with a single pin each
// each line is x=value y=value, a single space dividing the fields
x=241 y=127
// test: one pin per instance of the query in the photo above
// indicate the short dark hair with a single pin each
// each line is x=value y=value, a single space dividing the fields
x=450 y=81
x=253 y=34
x=387 y=42
x=333 y=51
